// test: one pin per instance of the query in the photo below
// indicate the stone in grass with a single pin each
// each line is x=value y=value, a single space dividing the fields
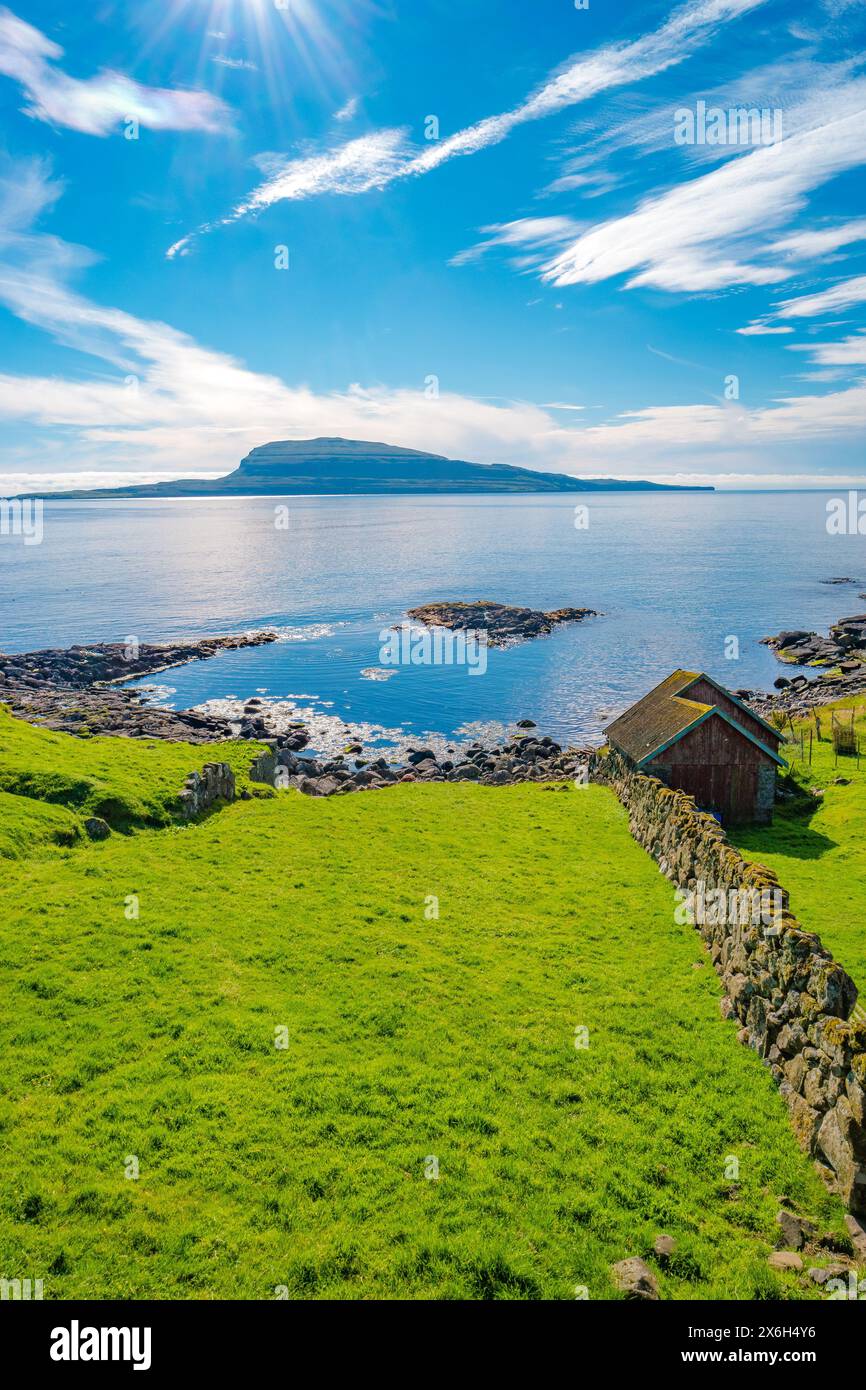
x=795 y=1231
x=820 y=1276
x=663 y=1247
x=97 y=828
x=856 y=1228
x=785 y=1259
x=636 y=1280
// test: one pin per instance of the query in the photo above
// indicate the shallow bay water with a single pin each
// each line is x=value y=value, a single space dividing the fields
x=675 y=576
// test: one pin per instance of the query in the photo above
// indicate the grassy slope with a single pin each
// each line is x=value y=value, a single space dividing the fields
x=127 y=782
x=821 y=857
x=408 y=1038
x=26 y=824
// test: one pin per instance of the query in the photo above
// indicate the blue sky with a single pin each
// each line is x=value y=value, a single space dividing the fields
x=498 y=246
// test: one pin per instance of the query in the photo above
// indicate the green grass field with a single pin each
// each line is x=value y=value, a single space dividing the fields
x=127 y=782
x=144 y=982
x=820 y=854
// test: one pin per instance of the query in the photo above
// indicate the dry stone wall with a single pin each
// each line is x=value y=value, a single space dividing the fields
x=215 y=782
x=263 y=768
x=792 y=999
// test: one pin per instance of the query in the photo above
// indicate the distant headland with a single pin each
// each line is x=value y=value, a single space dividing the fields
x=329 y=466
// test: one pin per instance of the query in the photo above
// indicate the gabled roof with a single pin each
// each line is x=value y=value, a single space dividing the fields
x=776 y=734
x=666 y=714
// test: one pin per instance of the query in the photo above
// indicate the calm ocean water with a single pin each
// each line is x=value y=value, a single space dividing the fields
x=674 y=575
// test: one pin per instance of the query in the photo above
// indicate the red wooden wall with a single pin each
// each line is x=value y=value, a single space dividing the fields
x=717 y=766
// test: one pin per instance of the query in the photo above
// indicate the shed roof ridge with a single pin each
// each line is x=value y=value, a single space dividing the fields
x=666 y=714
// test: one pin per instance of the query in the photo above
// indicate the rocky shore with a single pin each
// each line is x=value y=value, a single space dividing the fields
x=845 y=646
x=524 y=758
x=841 y=656
x=76 y=689
x=503 y=625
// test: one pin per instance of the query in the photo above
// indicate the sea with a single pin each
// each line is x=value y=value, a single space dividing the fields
x=678 y=579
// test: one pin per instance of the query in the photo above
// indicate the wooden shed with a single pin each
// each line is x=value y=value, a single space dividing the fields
x=697 y=737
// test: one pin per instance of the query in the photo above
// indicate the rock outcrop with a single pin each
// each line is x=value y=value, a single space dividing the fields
x=503 y=625
x=201 y=790
x=845 y=643
x=76 y=689
x=82 y=667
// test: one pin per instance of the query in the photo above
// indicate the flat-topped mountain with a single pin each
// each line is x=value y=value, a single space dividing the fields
x=329 y=466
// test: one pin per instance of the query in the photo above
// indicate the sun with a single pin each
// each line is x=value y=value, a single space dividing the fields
x=288 y=44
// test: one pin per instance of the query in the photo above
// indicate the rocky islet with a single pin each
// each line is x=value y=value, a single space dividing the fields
x=500 y=623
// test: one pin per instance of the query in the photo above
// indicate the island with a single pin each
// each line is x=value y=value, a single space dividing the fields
x=501 y=624
x=317 y=467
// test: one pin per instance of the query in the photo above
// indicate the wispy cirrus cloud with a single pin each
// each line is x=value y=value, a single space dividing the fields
x=842 y=295
x=711 y=232
x=349 y=110
x=168 y=406
x=763 y=330
x=849 y=352
x=538 y=232
x=615 y=145
x=356 y=167
x=378 y=159
x=239 y=64
x=616 y=65
x=96 y=105
x=821 y=241
x=845 y=294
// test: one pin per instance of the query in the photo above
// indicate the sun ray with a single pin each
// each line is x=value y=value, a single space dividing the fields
x=292 y=45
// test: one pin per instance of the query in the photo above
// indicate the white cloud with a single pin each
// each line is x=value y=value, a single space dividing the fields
x=191 y=409
x=349 y=111
x=821 y=241
x=97 y=105
x=614 y=66
x=850 y=352
x=168 y=406
x=386 y=155
x=843 y=295
x=368 y=162
x=356 y=167
x=711 y=232
x=538 y=232
x=800 y=87
x=839 y=296
x=760 y=329
x=239 y=63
